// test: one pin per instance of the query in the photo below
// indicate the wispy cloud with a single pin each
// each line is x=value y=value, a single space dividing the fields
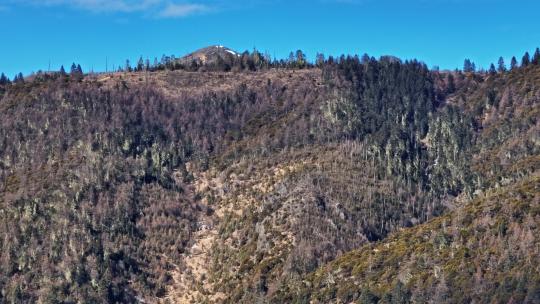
x=182 y=10
x=156 y=8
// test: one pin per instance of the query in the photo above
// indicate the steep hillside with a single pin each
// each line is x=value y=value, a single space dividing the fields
x=266 y=184
x=97 y=202
x=505 y=108
x=485 y=251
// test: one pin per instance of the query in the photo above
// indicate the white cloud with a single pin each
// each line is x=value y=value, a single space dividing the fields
x=182 y=10
x=159 y=8
x=96 y=5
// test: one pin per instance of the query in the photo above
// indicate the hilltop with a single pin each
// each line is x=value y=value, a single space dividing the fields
x=209 y=55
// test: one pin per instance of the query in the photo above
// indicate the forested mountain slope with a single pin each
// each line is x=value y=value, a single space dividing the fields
x=177 y=186
x=485 y=251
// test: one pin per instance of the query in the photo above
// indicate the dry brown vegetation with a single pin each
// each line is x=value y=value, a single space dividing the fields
x=253 y=186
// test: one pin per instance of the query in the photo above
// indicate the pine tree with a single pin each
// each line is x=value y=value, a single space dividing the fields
x=73 y=69
x=513 y=63
x=469 y=66
x=19 y=78
x=165 y=60
x=300 y=59
x=526 y=60
x=140 y=64
x=291 y=60
x=3 y=79
x=128 y=66
x=536 y=57
x=466 y=65
x=75 y=72
x=365 y=59
x=502 y=66
x=492 y=69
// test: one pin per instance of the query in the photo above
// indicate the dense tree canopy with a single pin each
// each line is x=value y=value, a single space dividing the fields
x=106 y=179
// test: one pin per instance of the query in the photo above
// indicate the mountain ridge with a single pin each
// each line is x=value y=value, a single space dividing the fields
x=270 y=183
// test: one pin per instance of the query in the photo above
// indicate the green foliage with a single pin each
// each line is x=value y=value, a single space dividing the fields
x=100 y=182
x=455 y=272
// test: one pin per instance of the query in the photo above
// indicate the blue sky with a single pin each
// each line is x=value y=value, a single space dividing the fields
x=438 y=32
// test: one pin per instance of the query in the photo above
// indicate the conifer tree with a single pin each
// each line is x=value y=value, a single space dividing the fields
x=536 y=57
x=492 y=69
x=526 y=60
x=300 y=59
x=76 y=72
x=291 y=60
x=140 y=64
x=128 y=66
x=513 y=63
x=502 y=66
x=3 y=79
x=469 y=66
x=19 y=78
x=73 y=69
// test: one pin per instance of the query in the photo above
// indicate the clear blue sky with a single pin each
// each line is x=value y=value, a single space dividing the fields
x=438 y=32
